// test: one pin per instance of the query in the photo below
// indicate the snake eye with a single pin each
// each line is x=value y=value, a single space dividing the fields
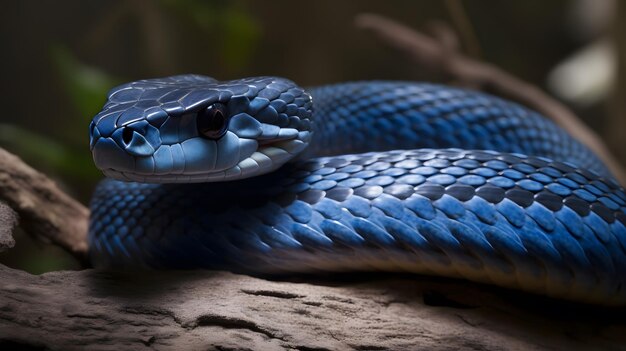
x=127 y=135
x=212 y=122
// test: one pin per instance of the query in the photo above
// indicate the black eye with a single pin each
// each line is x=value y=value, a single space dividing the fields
x=212 y=122
x=127 y=135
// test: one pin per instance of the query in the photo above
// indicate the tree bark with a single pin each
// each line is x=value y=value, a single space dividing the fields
x=46 y=212
x=200 y=310
x=8 y=221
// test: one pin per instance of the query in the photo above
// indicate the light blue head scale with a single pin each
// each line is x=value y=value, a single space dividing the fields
x=192 y=128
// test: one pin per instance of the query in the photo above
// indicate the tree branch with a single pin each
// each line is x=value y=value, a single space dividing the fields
x=436 y=57
x=46 y=212
x=196 y=310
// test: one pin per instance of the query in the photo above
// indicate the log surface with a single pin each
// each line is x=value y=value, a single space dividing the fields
x=202 y=310
x=46 y=211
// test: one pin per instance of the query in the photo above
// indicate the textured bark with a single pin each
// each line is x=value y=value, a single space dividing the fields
x=202 y=310
x=8 y=221
x=46 y=212
x=437 y=57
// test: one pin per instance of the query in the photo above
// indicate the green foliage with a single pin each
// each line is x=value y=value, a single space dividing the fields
x=86 y=89
x=47 y=153
x=37 y=257
x=85 y=86
x=239 y=31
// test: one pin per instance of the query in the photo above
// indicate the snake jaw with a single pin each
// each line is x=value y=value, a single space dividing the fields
x=256 y=157
x=229 y=158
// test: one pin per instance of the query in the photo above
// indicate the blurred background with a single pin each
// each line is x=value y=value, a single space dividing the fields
x=59 y=58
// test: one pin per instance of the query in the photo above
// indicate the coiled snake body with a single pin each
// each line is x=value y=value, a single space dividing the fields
x=211 y=186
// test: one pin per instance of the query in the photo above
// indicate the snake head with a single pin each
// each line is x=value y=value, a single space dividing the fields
x=192 y=128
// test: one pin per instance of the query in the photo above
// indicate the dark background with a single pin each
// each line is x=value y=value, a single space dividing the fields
x=59 y=58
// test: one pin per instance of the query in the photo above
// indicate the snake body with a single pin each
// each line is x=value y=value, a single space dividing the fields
x=261 y=176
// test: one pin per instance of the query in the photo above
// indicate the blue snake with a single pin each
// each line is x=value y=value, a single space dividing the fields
x=261 y=176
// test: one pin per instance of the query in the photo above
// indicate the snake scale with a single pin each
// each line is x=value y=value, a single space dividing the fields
x=260 y=176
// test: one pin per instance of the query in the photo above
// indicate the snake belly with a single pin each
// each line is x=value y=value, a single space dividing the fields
x=541 y=214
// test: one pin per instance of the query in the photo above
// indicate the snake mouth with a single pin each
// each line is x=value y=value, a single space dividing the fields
x=254 y=157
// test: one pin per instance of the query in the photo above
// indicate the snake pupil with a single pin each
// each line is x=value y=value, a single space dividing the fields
x=212 y=121
x=127 y=135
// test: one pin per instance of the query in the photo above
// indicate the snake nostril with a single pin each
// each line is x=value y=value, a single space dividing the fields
x=127 y=135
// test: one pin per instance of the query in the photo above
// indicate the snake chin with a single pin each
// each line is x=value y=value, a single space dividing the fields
x=267 y=157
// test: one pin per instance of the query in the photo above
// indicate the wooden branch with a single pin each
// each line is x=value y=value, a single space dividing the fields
x=429 y=53
x=45 y=211
x=199 y=310
x=616 y=123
